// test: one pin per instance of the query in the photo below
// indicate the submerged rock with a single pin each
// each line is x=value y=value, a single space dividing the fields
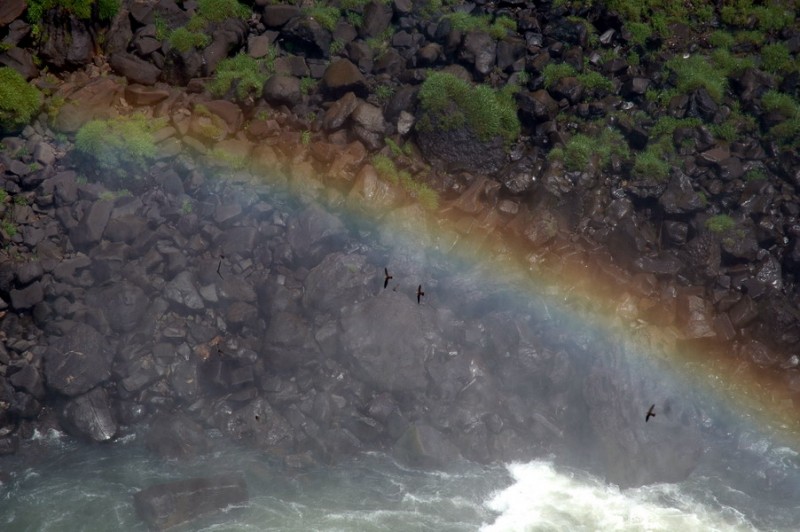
x=90 y=416
x=175 y=503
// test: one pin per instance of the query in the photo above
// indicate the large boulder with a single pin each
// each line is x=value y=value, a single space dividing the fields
x=175 y=503
x=123 y=306
x=424 y=446
x=67 y=40
x=90 y=416
x=341 y=77
x=386 y=339
x=77 y=362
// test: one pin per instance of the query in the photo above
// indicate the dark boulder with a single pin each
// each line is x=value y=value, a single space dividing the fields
x=123 y=305
x=77 y=362
x=290 y=340
x=134 y=69
x=425 y=447
x=460 y=148
x=10 y=10
x=340 y=279
x=376 y=337
x=227 y=37
x=90 y=228
x=68 y=40
x=309 y=34
x=175 y=436
x=90 y=416
x=480 y=50
x=377 y=17
x=341 y=77
x=313 y=233
x=175 y=503
x=27 y=297
x=280 y=89
x=275 y=16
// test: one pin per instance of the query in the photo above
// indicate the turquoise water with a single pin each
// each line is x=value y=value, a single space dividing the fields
x=56 y=484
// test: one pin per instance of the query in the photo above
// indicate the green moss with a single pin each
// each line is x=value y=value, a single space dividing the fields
x=326 y=16
x=9 y=228
x=247 y=73
x=729 y=64
x=219 y=10
x=186 y=207
x=384 y=93
x=183 y=39
x=580 y=149
x=596 y=82
x=307 y=85
x=3 y=195
x=395 y=148
x=465 y=22
x=553 y=72
x=721 y=39
x=19 y=100
x=755 y=174
x=454 y=102
x=666 y=125
x=650 y=164
x=305 y=137
x=121 y=146
x=775 y=58
x=780 y=102
x=336 y=47
x=720 y=223
x=82 y=9
x=695 y=72
x=640 y=32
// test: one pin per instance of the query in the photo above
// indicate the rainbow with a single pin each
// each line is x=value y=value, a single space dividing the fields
x=583 y=282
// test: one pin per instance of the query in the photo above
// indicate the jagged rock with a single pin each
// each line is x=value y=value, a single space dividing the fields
x=537 y=106
x=28 y=379
x=140 y=95
x=28 y=297
x=309 y=34
x=312 y=232
x=480 y=49
x=92 y=101
x=341 y=77
x=369 y=117
x=425 y=447
x=176 y=436
x=134 y=69
x=228 y=36
x=20 y=60
x=291 y=341
x=339 y=280
x=680 y=196
x=77 y=362
x=69 y=41
x=280 y=89
x=275 y=16
x=181 y=67
x=377 y=17
x=90 y=416
x=123 y=305
x=339 y=112
x=387 y=358
x=460 y=148
x=91 y=226
x=168 y=505
x=10 y=10
x=182 y=290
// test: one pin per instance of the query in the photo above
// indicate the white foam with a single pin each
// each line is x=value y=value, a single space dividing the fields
x=542 y=498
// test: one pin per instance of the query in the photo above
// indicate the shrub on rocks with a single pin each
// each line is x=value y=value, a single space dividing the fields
x=449 y=102
x=19 y=101
x=82 y=9
x=248 y=75
x=119 y=147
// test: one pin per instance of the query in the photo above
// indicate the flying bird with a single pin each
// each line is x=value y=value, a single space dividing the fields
x=221 y=257
x=650 y=414
x=386 y=279
x=420 y=293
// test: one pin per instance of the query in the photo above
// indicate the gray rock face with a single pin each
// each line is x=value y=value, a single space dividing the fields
x=337 y=281
x=27 y=297
x=176 y=436
x=182 y=291
x=90 y=416
x=90 y=229
x=312 y=232
x=460 y=148
x=384 y=337
x=123 y=306
x=77 y=362
x=479 y=49
x=174 y=503
x=291 y=342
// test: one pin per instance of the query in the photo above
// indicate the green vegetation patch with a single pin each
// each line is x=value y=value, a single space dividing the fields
x=19 y=100
x=327 y=16
x=465 y=22
x=249 y=75
x=119 y=146
x=580 y=149
x=183 y=39
x=776 y=58
x=456 y=103
x=787 y=132
x=219 y=10
x=82 y=9
x=720 y=223
x=387 y=171
x=695 y=72
x=650 y=164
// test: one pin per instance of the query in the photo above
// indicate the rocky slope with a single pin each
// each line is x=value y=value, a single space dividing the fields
x=684 y=188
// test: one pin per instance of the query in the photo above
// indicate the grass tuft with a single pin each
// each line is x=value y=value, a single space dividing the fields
x=19 y=100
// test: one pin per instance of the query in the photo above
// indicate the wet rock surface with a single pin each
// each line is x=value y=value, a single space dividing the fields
x=213 y=300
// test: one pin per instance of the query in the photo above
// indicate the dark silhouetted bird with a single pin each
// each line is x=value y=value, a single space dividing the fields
x=221 y=257
x=420 y=293
x=650 y=414
x=386 y=280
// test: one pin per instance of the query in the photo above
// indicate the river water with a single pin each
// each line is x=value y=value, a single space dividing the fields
x=56 y=484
